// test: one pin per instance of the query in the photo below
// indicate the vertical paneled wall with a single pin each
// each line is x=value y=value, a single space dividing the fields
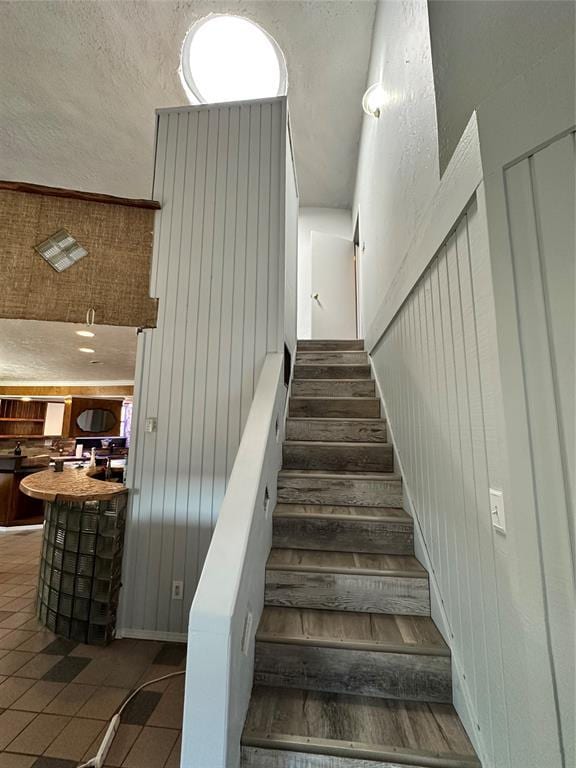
x=540 y=200
x=435 y=365
x=218 y=273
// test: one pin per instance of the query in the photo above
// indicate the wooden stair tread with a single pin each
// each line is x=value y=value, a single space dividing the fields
x=348 y=629
x=335 y=443
x=346 y=513
x=357 y=726
x=323 y=561
x=316 y=473
x=344 y=420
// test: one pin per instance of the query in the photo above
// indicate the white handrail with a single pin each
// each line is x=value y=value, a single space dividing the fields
x=229 y=599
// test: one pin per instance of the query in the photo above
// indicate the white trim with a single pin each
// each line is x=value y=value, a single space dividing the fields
x=461 y=693
x=456 y=188
x=20 y=528
x=150 y=634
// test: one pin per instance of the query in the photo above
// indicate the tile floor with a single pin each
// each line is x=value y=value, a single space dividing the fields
x=56 y=696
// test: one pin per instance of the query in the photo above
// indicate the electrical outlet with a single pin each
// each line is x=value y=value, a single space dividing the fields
x=497 y=510
x=150 y=424
x=177 y=590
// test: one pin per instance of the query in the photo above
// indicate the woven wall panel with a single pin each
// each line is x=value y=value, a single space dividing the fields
x=114 y=278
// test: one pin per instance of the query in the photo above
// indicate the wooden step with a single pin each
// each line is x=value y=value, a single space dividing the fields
x=332 y=358
x=335 y=457
x=340 y=488
x=345 y=581
x=335 y=407
x=321 y=345
x=381 y=530
x=338 y=430
x=308 y=371
x=366 y=654
x=295 y=728
x=333 y=388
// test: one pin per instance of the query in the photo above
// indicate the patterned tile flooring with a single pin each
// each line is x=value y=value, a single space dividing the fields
x=56 y=696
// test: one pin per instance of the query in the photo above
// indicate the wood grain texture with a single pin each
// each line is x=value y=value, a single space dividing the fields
x=286 y=753
x=333 y=388
x=335 y=629
x=323 y=345
x=332 y=358
x=313 y=371
x=335 y=407
x=348 y=591
x=339 y=430
x=388 y=675
x=344 y=533
x=382 y=724
x=362 y=490
x=345 y=457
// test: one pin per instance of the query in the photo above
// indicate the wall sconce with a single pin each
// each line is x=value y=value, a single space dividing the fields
x=374 y=99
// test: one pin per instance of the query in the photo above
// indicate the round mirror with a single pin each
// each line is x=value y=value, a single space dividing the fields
x=96 y=420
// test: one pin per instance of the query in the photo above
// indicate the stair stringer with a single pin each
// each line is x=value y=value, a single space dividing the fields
x=462 y=698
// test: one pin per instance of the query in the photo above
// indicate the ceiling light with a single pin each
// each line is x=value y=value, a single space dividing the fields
x=26 y=399
x=86 y=349
x=374 y=99
x=61 y=250
x=86 y=334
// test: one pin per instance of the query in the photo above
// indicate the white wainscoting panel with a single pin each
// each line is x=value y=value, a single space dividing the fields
x=218 y=273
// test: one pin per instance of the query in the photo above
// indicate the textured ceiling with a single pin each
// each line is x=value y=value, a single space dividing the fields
x=33 y=351
x=81 y=80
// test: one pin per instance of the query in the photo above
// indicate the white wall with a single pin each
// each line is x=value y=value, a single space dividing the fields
x=451 y=314
x=480 y=45
x=329 y=221
x=218 y=272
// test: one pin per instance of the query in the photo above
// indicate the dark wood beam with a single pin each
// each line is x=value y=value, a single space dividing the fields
x=74 y=194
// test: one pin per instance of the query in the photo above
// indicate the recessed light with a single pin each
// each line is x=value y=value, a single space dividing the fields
x=26 y=399
x=86 y=349
x=86 y=334
x=95 y=362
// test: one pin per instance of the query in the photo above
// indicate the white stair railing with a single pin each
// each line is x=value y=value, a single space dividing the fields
x=229 y=599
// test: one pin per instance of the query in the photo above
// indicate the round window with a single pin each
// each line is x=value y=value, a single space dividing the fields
x=230 y=58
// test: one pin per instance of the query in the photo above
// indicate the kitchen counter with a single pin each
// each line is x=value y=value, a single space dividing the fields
x=70 y=485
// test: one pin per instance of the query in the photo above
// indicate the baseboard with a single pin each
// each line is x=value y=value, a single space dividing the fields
x=20 y=528
x=461 y=693
x=150 y=634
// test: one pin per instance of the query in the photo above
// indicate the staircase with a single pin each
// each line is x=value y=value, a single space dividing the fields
x=350 y=670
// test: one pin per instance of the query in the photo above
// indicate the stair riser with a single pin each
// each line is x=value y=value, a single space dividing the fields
x=333 y=388
x=343 y=491
x=336 y=431
x=332 y=358
x=259 y=757
x=348 y=592
x=339 y=458
x=415 y=677
x=330 y=345
x=385 y=538
x=331 y=371
x=335 y=408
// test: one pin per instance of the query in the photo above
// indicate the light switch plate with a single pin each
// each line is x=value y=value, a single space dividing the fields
x=497 y=510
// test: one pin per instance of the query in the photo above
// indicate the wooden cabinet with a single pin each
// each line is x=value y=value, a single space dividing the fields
x=21 y=418
x=15 y=507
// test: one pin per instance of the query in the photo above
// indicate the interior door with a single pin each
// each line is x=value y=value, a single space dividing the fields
x=333 y=294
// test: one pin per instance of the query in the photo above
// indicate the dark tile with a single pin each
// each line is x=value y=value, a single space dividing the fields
x=54 y=762
x=61 y=647
x=66 y=669
x=171 y=654
x=141 y=707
